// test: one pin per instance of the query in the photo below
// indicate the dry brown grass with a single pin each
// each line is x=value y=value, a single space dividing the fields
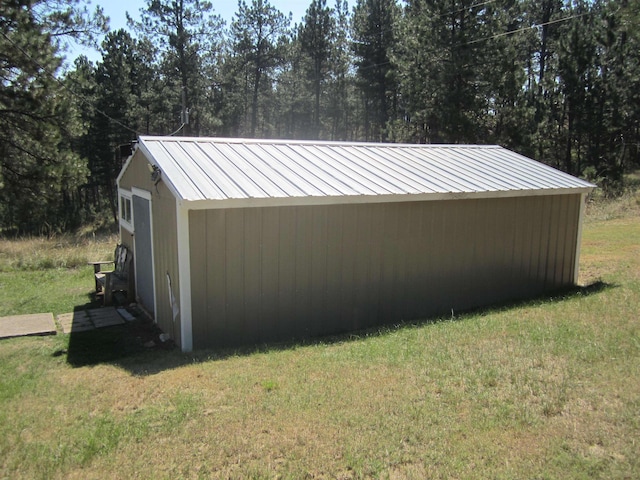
x=63 y=251
x=601 y=209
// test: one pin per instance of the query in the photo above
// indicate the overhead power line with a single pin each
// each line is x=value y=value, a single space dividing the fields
x=530 y=27
x=497 y=35
x=470 y=42
x=65 y=86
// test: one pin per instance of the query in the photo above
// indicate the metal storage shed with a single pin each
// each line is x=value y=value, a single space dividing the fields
x=242 y=241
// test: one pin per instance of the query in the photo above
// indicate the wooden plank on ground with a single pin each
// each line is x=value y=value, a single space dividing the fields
x=75 y=322
x=24 y=325
x=85 y=320
x=105 y=317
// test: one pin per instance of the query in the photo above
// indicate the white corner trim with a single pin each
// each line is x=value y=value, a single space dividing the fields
x=576 y=267
x=138 y=192
x=184 y=271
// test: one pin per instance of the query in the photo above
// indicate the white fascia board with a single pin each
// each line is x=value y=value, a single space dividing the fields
x=150 y=160
x=357 y=199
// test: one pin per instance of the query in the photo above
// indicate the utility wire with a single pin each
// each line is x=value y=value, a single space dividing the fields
x=497 y=35
x=530 y=27
x=82 y=98
x=179 y=128
x=470 y=42
x=66 y=87
x=452 y=12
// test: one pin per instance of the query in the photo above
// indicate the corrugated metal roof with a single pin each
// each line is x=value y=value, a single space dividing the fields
x=279 y=172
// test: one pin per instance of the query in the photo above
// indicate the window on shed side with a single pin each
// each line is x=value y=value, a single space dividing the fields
x=126 y=210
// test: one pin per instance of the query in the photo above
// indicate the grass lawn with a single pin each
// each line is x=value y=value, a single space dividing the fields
x=39 y=275
x=544 y=389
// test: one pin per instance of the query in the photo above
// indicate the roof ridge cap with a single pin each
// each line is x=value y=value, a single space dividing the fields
x=291 y=142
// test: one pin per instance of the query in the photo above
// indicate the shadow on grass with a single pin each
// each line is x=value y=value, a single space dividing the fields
x=118 y=344
x=135 y=346
x=545 y=298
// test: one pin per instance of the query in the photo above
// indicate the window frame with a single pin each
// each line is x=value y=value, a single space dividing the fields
x=125 y=206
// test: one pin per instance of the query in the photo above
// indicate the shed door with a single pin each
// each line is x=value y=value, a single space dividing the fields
x=143 y=253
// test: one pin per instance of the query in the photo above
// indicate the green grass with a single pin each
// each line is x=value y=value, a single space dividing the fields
x=543 y=389
x=49 y=275
x=57 y=291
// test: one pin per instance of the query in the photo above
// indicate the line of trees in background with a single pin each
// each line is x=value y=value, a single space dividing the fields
x=555 y=80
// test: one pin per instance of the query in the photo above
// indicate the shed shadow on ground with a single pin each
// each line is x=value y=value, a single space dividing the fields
x=112 y=344
x=135 y=346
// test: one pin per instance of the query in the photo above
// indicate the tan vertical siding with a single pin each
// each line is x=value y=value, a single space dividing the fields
x=137 y=173
x=331 y=321
x=262 y=274
x=269 y=273
x=318 y=270
x=287 y=273
x=165 y=250
x=199 y=277
x=165 y=243
x=126 y=238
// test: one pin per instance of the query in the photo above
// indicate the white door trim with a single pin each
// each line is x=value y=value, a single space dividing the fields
x=146 y=195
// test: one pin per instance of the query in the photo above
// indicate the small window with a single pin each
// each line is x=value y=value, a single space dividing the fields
x=126 y=217
x=126 y=209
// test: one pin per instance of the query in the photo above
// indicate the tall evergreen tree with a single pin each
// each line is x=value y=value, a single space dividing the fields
x=442 y=56
x=575 y=73
x=316 y=35
x=541 y=86
x=87 y=197
x=37 y=122
x=293 y=96
x=257 y=37
x=182 y=29
x=341 y=80
x=508 y=117
x=614 y=117
x=121 y=78
x=373 y=42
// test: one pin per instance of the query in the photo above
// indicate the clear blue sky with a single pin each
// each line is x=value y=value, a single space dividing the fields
x=116 y=11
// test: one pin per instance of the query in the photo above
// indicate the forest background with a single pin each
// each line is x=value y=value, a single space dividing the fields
x=558 y=81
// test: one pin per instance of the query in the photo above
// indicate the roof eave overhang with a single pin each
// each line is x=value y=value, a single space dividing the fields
x=140 y=146
x=207 y=204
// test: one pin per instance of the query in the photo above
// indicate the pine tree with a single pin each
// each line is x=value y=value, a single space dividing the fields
x=120 y=78
x=182 y=30
x=38 y=123
x=293 y=108
x=341 y=81
x=316 y=36
x=541 y=87
x=441 y=58
x=373 y=41
x=258 y=35
x=614 y=121
x=508 y=116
